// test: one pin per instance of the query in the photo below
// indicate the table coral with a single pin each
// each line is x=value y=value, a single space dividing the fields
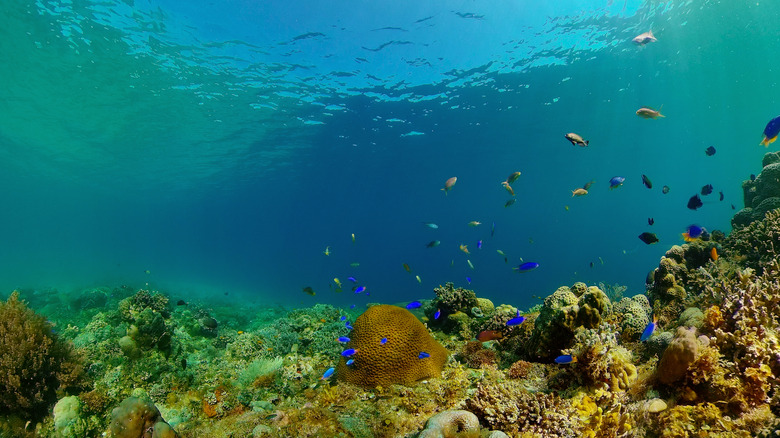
x=398 y=360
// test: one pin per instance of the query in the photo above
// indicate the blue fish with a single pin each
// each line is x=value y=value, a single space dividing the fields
x=692 y=233
x=566 y=358
x=383 y=341
x=352 y=279
x=328 y=373
x=648 y=330
x=348 y=325
x=360 y=289
x=414 y=305
x=437 y=314
x=343 y=318
x=423 y=355
x=350 y=362
x=479 y=245
x=517 y=320
x=492 y=229
x=468 y=279
x=616 y=181
x=527 y=266
x=348 y=352
x=771 y=131
x=342 y=339
x=352 y=306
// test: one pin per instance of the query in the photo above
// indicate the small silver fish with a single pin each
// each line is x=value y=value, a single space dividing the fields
x=645 y=38
x=576 y=139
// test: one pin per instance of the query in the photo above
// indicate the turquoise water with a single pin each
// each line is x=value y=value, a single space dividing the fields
x=223 y=146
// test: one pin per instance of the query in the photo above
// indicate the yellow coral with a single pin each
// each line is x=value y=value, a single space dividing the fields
x=398 y=360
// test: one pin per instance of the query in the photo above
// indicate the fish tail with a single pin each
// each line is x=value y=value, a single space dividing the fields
x=587 y=142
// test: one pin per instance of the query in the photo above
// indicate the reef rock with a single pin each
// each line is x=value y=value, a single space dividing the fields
x=400 y=360
x=761 y=194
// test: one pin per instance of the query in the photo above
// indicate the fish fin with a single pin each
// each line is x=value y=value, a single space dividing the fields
x=771 y=140
x=587 y=142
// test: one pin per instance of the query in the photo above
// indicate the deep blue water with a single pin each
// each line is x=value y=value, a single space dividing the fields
x=223 y=146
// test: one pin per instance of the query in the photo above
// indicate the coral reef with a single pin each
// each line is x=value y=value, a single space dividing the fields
x=400 y=358
x=680 y=353
x=450 y=299
x=34 y=362
x=600 y=361
x=561 y=314
x=761 y=194
x=756 y=245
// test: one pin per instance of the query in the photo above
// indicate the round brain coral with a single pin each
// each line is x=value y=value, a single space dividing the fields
x=398 y=360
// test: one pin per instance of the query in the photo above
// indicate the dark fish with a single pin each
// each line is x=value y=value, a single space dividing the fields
x=183 y=363
x=721 y=196
x=591 y=264
x=771 y=131
x=509 y=202
x=648 y=238
x=492 y=229
x=732 y=207
x=695 y=202
x=650 y=221
x=309 y=290
x=588 y=184
x=181 y=303
x=433 y=243
x=752 y=176
x=706 y=190
x=665 y=190
x=710 y=151
x=646 y=181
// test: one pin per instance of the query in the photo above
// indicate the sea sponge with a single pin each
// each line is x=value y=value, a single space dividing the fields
x=398 y=360
x=33 y=361
x=137 y=418
x=678 y=355
x=451 y=424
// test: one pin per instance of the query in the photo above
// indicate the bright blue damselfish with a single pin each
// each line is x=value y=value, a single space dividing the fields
x=771 y=131
x=414 y=305
x=648 y=330
x=517 y=320
x=527 y=266
x=423 y=355
x=565 y=358
x=616 y=181
x=329 y=372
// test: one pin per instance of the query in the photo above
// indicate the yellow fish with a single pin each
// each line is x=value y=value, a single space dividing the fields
x=464 y=248
x=579 y=192
x=327 y=251
x=649 y=113
x=337 y=281
x=513 y=177
x=353 y=237
x=508 y=188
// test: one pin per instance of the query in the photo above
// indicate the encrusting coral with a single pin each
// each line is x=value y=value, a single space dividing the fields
x=408 y=355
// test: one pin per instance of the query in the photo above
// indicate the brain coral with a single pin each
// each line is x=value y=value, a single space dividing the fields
x=397 y=360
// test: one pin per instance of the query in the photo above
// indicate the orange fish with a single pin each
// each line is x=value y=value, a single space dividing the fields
x=489 y=335
x=714 y=254
x=465 y=248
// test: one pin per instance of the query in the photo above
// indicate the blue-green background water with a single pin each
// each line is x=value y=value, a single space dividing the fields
x=223 y=146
